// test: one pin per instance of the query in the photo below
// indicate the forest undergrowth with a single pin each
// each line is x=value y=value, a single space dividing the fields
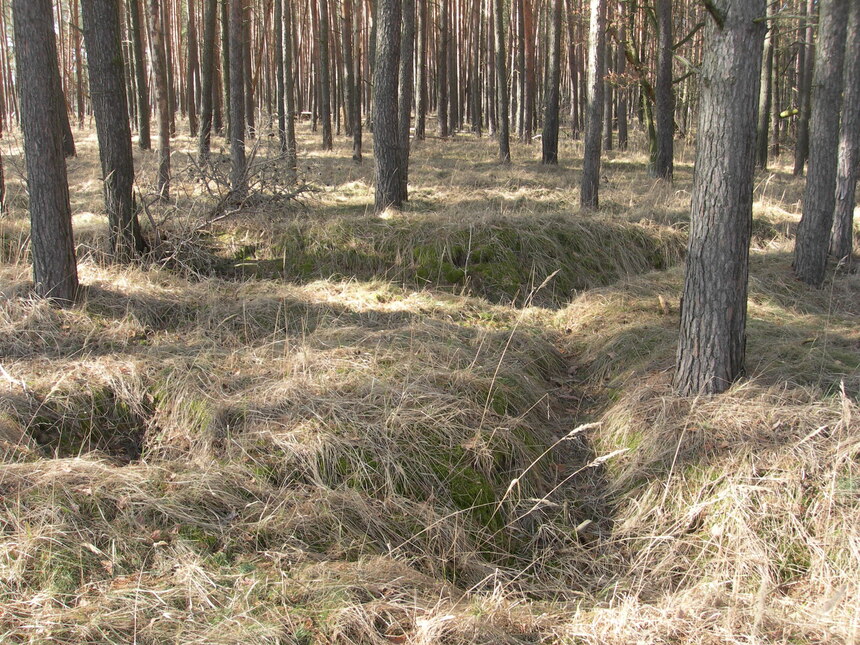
x=296 y=422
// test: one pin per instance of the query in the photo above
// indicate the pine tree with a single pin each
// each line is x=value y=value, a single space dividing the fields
x=42 y=106
x=714 y=304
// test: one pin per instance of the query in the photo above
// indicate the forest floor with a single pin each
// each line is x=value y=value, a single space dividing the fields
x=301 y=423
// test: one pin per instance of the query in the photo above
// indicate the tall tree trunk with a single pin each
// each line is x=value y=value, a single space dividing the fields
x=621 y=70
x=167 y=42
x=407 y=51
x=573 y=68
x=801 y=151
x=453 y=71
x=442 y=68
x=813 y=233
x=52 y=244
x=357 y=32
x=238 y=49
x=849 y=144
x=159 y=68
x=289 y=89
x=777 y=101
x=594 y=116
x=421 y=110
x=714 y=304
x=79 y=72
x=207 y=73
x=765 y=94
x=279 y=76
x=607 y=100
x=386 y=147
x=249 y=116
x=529 y=96
x=226 y=82
x=664 y=100
x=521 y=69
x=476 y=115
x=325 y=76
x=193 y=77
x=348 y=64
x=549 y=139
x=144 y=140
x=502 y=109
x=107 y=85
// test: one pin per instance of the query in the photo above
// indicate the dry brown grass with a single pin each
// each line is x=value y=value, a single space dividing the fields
x=303 y=424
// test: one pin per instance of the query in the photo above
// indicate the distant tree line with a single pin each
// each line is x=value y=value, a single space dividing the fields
x=747 y=77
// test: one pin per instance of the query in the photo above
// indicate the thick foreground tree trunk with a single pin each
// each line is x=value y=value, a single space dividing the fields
x=714 y=305
x=813 y=233
x=52 y=246
x=110 y=107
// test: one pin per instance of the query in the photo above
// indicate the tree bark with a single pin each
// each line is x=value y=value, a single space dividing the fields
x=621 y=70
x=849 y=144
x=250 y=110
x=225 y=63
x=594 y=116
x=144 y=139
x=280 y=100
x=192 y=79
x=207 y=74
x=421 y=110
x=110 y=105
x=549 y=138
x=819 y=201
x=453 y=70
x=52 y=244
x=503 y=118
x=289 y=90
x=714 y=304
x=238 y=165
x=79 y=72
x=664 y=99
x=325 y=77
x=573 y=69
x=517 y=5
x=386 y=147
x=407 y=51
x=350 y=88
x=159 y=65
x=607 y=99
x=529 y=96
x=801 y=151
x=442 y=68
x=765 y=94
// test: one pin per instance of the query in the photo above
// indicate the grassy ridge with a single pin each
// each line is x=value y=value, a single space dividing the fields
x=362 y=445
